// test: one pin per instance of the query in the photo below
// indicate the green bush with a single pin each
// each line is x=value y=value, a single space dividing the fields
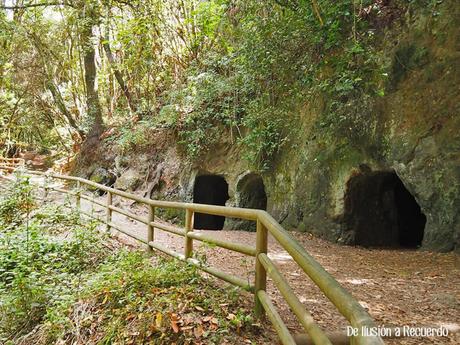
x=59 y=283
x=17 y=201
x=280 y=57
x=129 y=300
x=42 y=257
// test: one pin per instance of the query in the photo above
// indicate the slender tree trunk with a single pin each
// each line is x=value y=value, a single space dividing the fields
x=89 y=64
x=118 y=75
x=44 y=52
x=59 y=101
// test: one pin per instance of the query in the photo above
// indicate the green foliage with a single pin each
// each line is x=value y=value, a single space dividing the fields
x=61 y=278
x=294 y=55
x=132 y=136
x=41 y=263
x=17 y=201
x=266 y=136
x=169 y=117
x=250 y=86
x=27 y=117
x=135 y=301
x=208 y=15
x=205 y=105
x=214 y=72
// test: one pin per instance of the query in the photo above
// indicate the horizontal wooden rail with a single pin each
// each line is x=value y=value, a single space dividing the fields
x=92 y=200
x=236 y=247
x=235 y=212
x=91 y=215
x=168 y=251
x=128 y=233
x=223 y=275
x=213 y=271
x=129 y=214
x=168 y=228
x=340 y=298
x=283 y=332
x=62 y=190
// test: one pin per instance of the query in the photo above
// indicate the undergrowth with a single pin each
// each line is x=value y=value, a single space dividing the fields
x=62 y=280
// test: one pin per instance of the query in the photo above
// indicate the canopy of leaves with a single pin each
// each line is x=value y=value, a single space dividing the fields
x=207 y=69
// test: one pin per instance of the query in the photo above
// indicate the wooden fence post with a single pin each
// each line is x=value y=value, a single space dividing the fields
x=45 y=187
x=108 y=218
x=261 y=274
x=188 y=227
x=150 y=228
x=78 y=197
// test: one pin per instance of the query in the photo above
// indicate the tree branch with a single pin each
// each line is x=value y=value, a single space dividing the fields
x=19 y=7
x=118 y=74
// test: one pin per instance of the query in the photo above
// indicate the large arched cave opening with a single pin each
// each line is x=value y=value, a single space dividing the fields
x=212 y=190
x=382 y=212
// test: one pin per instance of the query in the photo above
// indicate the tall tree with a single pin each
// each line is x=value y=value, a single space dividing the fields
x=88 y=17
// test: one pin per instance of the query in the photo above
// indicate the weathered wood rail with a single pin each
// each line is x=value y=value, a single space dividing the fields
x=11 y=163
x=341 y=298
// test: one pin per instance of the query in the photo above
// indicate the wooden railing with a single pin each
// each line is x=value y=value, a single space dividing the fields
x=11 y=163
x=341 y=298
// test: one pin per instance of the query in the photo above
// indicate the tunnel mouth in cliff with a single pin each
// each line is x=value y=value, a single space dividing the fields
x=251 y=192
x=382 y=212
x=211 y=190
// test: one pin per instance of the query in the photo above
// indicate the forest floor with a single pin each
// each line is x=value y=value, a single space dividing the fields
x=398 y=287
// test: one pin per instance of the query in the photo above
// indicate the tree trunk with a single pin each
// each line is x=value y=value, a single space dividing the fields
x=93 y=105
x=118 y=75
x=59 y=101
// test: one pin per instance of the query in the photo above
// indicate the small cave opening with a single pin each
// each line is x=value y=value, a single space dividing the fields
x=250 y=193
x=382 y=212
x=212 y=190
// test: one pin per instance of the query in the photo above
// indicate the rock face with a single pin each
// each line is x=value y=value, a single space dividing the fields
x=410 y=134
x=103 y=176
x=413 y=132
x=404 y=147
x=129 y=180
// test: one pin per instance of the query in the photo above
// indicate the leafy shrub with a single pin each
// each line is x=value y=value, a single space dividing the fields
x=132 y=136
x=246 y=88
x=18 y=201
x=212 y=101
x=265 y=138
x=37 y=269
x=60 y=284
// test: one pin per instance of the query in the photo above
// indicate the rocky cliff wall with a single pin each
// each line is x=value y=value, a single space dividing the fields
x=408 y=139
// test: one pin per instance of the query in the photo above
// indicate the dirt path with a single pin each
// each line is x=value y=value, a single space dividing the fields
x=398 y=287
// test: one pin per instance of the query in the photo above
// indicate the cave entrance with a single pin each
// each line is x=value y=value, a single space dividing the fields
x=212 y=190
x=250 y=193
x=382 y=212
